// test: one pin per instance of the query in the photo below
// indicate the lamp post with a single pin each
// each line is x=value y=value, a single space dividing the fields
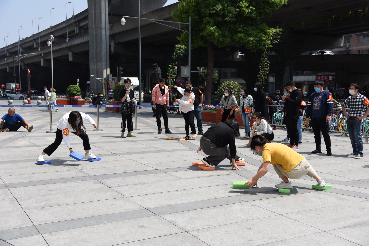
x=19 y=78
x=39 y=36
x=66 y=19
x=6 y=44
x=50 y=43
x=33 y=31
x=123 y=22
x=51 y=23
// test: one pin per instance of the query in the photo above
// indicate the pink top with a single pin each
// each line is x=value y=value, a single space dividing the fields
x=157 y=98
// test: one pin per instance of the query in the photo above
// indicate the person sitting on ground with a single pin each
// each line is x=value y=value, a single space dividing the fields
x=215 y=140
x=71 y=122
x=287 y=163
x=187 y=108
x=260 y=127
x=12 y=122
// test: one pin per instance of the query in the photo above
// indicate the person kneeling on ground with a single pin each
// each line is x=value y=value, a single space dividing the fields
x=261 y=127
x=215 y=140
x=70 y=122
x=287 y=163
x=12 y=122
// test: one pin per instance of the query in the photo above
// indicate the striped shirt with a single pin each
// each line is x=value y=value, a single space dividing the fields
x=358 y=105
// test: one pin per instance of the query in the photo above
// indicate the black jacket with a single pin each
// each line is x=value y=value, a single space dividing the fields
x=260 y=104
x=294 y=103
x=221 y=135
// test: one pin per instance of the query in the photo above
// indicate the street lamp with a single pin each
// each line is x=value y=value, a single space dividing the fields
x=19 y=58
x=66 y=19
x=123 y=22
x=51 y=23
x=33 y=31
x=50 y=43
x=39 y=36
x=6 y=44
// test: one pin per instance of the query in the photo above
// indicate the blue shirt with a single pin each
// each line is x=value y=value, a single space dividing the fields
x=12 y=120
x=320 y=105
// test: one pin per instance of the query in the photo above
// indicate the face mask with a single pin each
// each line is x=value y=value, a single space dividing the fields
x=317 y=89
x=255 y=89
x=352 y=92
x=242 y=93
x=188 y=87
x=257 y=122
x=77 y=122
x=226 y=94
x=284 y=94
x=44 y=89
x=290 y=90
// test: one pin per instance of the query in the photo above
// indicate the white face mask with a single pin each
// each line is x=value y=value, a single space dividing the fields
x=352 y=92
x=290 y=90
x=226 y=94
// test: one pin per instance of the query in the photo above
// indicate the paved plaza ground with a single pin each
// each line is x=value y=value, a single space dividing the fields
x=144 y=191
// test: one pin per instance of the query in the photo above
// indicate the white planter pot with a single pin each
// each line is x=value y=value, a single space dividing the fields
x=10 y=102
x=39 y=102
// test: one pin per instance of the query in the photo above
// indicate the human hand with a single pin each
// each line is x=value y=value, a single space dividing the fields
x=252 y=182
x=200 y=105
x=95 y=126
x=154 y=106
x=254 y=134
x=234 y=166
x=283 y=98
x=231 y=112
x=198 y=150
x=71 y=150
x=307 y=120
x=168 y=107
x=346 y=115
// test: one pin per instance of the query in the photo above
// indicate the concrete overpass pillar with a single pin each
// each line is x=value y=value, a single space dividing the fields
x=98 y=30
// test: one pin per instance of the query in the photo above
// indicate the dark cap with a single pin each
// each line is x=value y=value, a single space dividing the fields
x=187 y=90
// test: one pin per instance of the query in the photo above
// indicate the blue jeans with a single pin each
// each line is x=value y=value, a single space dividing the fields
x=299 y=127
x=354 y=130
x=246 y=122
x=198 y=116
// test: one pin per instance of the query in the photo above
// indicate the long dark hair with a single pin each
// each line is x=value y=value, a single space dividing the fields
x=259 y=115
x=72 y=120
x=259 y=88
x=246 y=91
x=258 y=140
x=229 y=91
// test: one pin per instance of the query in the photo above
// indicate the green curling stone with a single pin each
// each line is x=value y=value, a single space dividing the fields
x=327 y=187
x=240 y=185
x=284 y=191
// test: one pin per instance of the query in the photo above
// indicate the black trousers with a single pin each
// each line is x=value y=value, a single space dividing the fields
x=12 y=128
x=293 y=133
x=161 y=110
x=188 y=117
x=268 y=136
x=320 y=125
x=59 y=138
x=127 y=121
x=226 y=114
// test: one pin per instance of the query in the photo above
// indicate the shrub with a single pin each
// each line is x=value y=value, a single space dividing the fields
x=73 y=90
x=116 y=92
x=233 y=86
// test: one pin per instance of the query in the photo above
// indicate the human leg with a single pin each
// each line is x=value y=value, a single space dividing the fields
x=215 y=154
x=299 y=127
x=52 y=147
x=191 y=123
x=198 y=116
x=129 y=122
x=316 y=129
x=14 y=128
x=279 y=170
x=185 y=117
x=225 y=114
x=358 y=137
x=351 y=131
x=244 y=115
x=165 y=116
x=124 y=120
x=159 y=109
x=293 y=132
x=324 y=126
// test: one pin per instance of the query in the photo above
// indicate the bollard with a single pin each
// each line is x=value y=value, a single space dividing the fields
x=51 y=121
x=10 y=102
x=98 y=117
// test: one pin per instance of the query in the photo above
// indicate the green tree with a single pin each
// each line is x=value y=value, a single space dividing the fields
x=217 y=23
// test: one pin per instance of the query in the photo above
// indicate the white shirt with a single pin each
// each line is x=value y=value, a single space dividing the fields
x=186 y=102
x=47 y=94
x=66 y=128
x=264 y=127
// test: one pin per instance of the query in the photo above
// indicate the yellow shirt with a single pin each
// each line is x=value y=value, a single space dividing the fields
x=280 y=154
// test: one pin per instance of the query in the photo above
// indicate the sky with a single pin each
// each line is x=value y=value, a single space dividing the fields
x=17 y=13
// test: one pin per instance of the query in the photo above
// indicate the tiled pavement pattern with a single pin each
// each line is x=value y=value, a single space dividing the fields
x=144 y=191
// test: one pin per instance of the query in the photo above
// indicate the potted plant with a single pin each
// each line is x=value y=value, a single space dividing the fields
x=73 y=91
x=62 y=100
x=78 y=100
x=209 y=113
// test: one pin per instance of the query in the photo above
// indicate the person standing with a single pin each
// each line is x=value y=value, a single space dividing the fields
x=293 y=113
x=127 y=103
x=47 y=95
x=228 y=105
x=359 y=110
x=52 y=99
x=160 y=98
x=199 y=97
x=319 y=109
x=301 y=119
x=260 y=104
x=186 y=106
x=246 y=103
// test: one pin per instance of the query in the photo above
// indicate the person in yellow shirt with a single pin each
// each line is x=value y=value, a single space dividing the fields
x=287 y=163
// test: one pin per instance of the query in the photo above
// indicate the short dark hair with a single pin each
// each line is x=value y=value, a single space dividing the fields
x=290 y=83
x=127 y=81
x=187 y=90
x=319 y=82
x=246 y=91
x=258 y=115
x=229 y=90
x=357 y=87
x=258 y=140
x=161 y=80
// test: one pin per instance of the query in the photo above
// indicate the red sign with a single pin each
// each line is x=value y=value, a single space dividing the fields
x=16 y=86
x=324 y=78
x=2 y=86
x=180 y=82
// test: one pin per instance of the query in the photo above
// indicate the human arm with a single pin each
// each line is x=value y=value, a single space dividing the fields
x=364 y=116
x=263 y=169
x=329 y=106
x=26 y=123
x=167 y=96
x=201 y=100
x=180 y=90
x=263 y=127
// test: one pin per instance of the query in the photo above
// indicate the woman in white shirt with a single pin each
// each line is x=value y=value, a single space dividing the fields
x=71 y=122
x=186 y=106
x=261 y=127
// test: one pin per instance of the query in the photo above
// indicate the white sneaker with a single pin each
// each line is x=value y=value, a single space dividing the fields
x=241 y=159
x=321 y=183
x=284 y=185
x=40 y=158
x=89 y=155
